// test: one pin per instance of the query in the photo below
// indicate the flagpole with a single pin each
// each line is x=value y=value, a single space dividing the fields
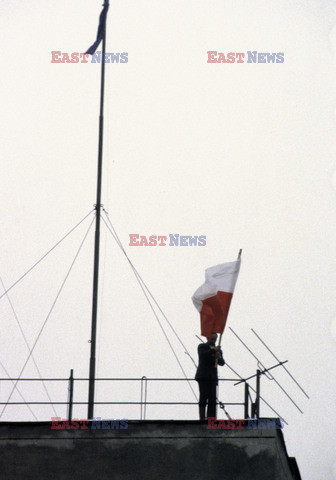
x=97 y=234
x=220 y=336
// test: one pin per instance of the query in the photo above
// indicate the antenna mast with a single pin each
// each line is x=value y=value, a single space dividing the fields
x=101 y=31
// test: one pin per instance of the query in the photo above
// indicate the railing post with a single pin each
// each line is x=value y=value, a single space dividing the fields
x=71 y=387
x=143 y=398
x=257 y=407
x=246 y=397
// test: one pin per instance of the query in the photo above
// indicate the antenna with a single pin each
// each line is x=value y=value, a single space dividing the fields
x=262 y=372
x=255 y=333
x=253 y=390
x=290 y=398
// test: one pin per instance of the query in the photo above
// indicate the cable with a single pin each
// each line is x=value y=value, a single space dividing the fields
x=27 y=344
x=144 y=287
x=48 y=316
x=156 y=303
x=28 y=406
x=222 y=406
x=45 y=255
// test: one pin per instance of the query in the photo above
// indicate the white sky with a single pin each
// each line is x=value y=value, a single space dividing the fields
x=241 y=153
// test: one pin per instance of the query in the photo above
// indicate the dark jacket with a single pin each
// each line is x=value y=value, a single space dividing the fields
x=206 y=369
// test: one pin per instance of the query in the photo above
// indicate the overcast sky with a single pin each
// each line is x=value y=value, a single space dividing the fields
x=241 y=153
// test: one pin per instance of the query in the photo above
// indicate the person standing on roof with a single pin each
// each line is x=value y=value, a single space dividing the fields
x=207 y=377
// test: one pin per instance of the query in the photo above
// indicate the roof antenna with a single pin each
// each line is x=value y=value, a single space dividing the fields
x=280 y=386
x=297 y=383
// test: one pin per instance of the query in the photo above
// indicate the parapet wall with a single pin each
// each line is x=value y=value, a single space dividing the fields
x=146 y=450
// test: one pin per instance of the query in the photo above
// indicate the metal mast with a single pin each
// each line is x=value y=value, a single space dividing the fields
x=101 y=33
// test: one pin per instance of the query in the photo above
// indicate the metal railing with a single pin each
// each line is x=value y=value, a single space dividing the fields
x=251 y=408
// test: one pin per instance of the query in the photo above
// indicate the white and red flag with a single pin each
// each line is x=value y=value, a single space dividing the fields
x=213 y=298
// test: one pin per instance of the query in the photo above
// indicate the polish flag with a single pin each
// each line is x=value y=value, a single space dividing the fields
x=213 y=298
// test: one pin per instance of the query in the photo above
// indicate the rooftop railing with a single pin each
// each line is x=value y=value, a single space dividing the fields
x=250 y=407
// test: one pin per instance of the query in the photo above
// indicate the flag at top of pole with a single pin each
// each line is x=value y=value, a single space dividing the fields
x=213 y=298
x=101 y=28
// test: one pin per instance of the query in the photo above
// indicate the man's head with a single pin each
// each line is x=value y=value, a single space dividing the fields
x=212 y=339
